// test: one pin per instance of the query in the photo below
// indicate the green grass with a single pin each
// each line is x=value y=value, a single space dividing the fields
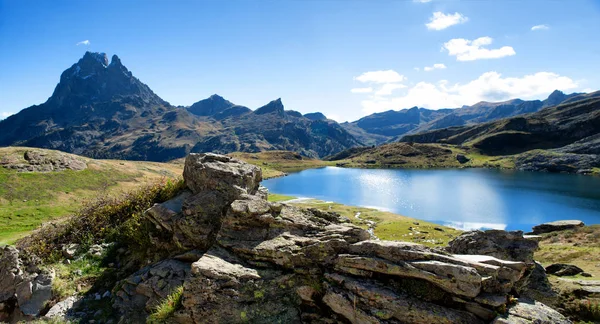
x=278 y=197
x=108 y=217
x=167 y=307
x=29 y=199
x=69 y=281
x=390 y=226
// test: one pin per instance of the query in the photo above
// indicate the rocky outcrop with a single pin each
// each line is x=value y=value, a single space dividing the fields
x=141 y=292
x=42 y=161
x=557 y=226
x=500 y=244
x=241 y=259
x=513 y=246
x=192 y=219
x=24 y=288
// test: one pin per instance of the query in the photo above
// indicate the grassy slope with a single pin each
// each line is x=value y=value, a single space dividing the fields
x=580 y=247
x=28 y=199
x=405 y=155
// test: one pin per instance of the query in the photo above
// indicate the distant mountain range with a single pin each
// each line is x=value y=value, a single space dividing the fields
x=99 y=109
x=570 y=127
x=391 y=125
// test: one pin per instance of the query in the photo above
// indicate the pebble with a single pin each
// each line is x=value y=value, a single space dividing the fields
x=106 y=294
x=97 y=296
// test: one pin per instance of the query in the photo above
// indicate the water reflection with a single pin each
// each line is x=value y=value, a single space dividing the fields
x=464 y=199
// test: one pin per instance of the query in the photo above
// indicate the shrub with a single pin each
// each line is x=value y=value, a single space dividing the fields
x=118 y=218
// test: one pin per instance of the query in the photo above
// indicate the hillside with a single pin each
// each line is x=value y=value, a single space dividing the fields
x=391 y=125
x=563 y=138
x=60 y=183
x=100 y=110
x=549 y=128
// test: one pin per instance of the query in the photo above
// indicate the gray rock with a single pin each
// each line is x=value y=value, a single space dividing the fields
x=32 y=296
x=499 y=244
x=96 y=250
x=69 y=250
x=557 y=226
x=60 y=309
x=535 y=286
x=462 y=159
x=561 y=269
x=531 y=312
x=42 y=161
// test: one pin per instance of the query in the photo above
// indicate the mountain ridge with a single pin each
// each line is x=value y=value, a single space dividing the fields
x=100 y=110
x=390 y=125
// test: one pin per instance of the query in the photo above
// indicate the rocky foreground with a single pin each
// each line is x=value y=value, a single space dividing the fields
x=241 y=259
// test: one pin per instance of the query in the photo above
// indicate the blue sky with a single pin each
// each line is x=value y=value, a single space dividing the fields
x=343 y=58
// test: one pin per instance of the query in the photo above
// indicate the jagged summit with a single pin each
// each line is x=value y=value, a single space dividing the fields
x=95 y=56
x=273 y=106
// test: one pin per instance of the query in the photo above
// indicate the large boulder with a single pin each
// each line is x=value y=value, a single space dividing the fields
x=557 y=226
x=497 y=243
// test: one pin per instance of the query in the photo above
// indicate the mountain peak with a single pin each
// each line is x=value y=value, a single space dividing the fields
x=95 y=57
x=273 y=106
x=315 y=116
x=115 y=60
x=210 y=106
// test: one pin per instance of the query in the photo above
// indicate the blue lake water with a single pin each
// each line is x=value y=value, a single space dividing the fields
x=465 y=198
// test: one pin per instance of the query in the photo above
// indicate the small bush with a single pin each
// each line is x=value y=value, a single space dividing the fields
x=118 y=218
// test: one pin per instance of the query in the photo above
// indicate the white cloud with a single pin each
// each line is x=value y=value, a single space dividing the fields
x=387 y=89
x=362 y=90
x=540 y=27
x=84 y=42
x=490 y=86
x=440 y=20
x=5 y=114
x=467 y=50
x=417 y=69
x=438 y=66
x=388 y=76
x=588 y=90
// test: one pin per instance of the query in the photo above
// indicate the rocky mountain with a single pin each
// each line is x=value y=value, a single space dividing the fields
x=99 y=109
x=549 y=128
x=271 y=127
x=390 y=125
